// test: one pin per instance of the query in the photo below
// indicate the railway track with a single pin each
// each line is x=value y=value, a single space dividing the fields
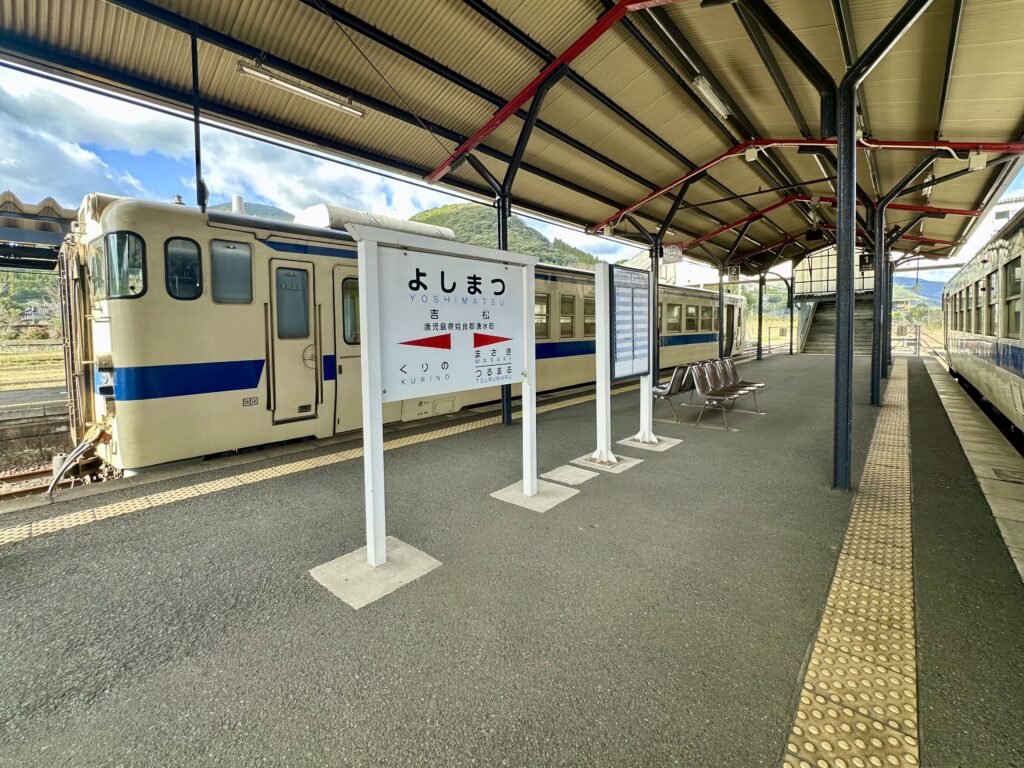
x=28 y=482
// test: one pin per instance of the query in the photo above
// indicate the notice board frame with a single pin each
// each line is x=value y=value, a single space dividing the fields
x=613 y=268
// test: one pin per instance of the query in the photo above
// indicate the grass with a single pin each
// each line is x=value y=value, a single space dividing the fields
x=31 y=369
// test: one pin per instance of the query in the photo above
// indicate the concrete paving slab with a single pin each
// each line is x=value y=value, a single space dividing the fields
x=623 y=463
x=663 y=444
x=1013 y=532
x=352 y=579
x=570 y=475
x=548 y=496
x=1002 y=489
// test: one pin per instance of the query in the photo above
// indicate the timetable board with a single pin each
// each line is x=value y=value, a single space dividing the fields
x=630 y=308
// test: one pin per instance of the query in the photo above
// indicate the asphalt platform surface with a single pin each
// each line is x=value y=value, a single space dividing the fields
x=34 y=395
x=969 y=601
x=660 y=617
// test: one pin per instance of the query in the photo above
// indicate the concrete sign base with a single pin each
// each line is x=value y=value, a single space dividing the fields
x=548 y=496
x=621 y=465
x=662 y=444
x=352 y=579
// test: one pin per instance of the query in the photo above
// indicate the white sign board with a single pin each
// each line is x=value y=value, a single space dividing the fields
x=448 y=324
x=630 y=322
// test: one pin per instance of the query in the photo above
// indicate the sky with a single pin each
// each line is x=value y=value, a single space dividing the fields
x=66 y=142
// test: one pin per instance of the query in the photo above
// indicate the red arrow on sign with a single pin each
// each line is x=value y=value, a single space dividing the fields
x=444 y=341
x=483 y=339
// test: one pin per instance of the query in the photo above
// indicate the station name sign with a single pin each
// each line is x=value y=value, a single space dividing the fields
x=448 y=323
x=630 y=304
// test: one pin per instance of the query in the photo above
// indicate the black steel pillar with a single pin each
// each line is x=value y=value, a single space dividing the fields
x=792 y=302
x=721 y=311
x=888 y=320
x=504 y=206
x=881 y=257
x=846 y=230
x=846 y=241
x=760 y=315
x=200 y=184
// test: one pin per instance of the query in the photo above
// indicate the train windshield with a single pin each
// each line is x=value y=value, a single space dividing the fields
x=126 y=265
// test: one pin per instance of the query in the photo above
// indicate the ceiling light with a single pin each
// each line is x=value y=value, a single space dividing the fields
x=977 y=160
x=285 y=83
x=709 y=97
x=814 y=235
x=750 y=153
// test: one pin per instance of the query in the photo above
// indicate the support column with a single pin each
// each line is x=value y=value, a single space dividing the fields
x=792 y=303
x=846 y=240
x=760 y=315
x=200 y=184
x=655 y=329
x=504 y=206
x=878 y=305
x=721 y=312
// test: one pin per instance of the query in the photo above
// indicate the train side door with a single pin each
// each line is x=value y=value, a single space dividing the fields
x=730 y=328
x=294 y=332
x=348 y=412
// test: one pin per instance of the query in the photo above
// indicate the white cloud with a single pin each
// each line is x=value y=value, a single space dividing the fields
x=599 y=247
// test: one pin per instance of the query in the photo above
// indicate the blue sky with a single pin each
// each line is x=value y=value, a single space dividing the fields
x=66 y=142
x=124 y=148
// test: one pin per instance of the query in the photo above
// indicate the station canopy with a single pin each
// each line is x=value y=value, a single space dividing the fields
x=657 y=95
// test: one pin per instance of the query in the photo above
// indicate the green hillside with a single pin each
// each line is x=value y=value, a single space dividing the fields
x=478 y=224
x=257 y=209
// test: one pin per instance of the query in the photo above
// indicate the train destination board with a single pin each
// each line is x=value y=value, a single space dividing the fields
x=448 y=324
x=630 y=322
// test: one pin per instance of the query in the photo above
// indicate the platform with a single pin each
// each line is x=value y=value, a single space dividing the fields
x=683 y=612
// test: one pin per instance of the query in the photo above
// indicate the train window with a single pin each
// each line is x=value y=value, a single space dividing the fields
x=541 y=313
x=714 y=318
x=183 y=269
x=1012 y=300
x=589 y=316
x=674 y=321
x=967 y=309
x=292 y=295
x=231 y=267
x=126 y=265
x=98 y=270
x=993 y=299
x=566 y=316
x=691 y=317
x=350 y=310
x=705 y=318
x=979 y=294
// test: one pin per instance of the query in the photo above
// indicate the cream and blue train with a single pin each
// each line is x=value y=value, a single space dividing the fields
x=191 y=334
x=982 y=307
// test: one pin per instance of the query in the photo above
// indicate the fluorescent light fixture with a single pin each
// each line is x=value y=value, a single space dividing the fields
x=708 y=95
x=286 y=83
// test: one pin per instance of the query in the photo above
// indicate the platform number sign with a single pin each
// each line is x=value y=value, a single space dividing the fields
x=630 y=304
x=448 y=324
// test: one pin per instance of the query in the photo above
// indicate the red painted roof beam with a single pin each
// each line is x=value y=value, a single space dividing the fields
x=911 y=238
x=587 y=39
x=823 y=199
x=739 y=149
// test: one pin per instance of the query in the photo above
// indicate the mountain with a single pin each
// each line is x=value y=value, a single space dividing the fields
x=257 y=209
x=478 y=224
x=928 y=291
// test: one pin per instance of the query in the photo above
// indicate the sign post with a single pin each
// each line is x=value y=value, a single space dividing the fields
x=603 y=454
x=436 y=317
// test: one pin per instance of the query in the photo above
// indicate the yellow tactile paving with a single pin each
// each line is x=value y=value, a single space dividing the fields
x=164 y=498
x=858 y=706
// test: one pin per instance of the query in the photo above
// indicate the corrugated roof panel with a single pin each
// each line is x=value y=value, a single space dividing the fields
x=901 y=94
